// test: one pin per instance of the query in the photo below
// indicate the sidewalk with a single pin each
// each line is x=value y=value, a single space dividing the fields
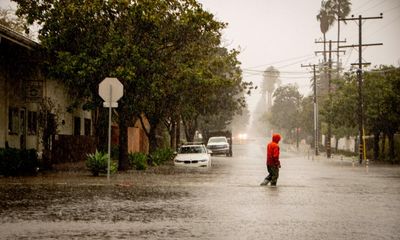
x=309 y=153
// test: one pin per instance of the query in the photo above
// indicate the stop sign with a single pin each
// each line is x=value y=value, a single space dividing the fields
x=111 y=90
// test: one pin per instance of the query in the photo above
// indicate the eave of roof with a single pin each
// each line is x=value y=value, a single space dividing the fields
x=17 y=38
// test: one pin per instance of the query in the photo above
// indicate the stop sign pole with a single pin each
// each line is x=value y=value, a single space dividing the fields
x=109 y=135
x=110 y=90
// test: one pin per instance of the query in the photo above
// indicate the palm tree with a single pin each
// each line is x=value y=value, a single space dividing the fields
x=341 y=9
x=326 y=18
x=331 y=11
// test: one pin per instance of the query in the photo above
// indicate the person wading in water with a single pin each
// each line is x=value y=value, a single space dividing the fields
x=273 y=163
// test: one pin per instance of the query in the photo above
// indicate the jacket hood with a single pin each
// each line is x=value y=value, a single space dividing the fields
x=276 y=137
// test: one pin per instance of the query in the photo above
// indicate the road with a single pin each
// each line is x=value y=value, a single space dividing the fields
x=314 y=199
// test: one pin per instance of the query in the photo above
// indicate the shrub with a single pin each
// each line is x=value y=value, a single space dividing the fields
x=98 y=162
x=17 y=162
x=162 y=155
x=138 y=160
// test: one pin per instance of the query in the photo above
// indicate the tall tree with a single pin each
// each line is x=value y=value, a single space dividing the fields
x=330 y=12
x=157 y=49
x=341 y=8
x=86 y=42
x=285 y=112
x=326 y=18
x=306 y=119
x=220 y=89
x=190 y=72
x=382 y=112
x=382 y=100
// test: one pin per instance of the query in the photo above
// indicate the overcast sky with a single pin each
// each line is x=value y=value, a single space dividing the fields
x=282 y=33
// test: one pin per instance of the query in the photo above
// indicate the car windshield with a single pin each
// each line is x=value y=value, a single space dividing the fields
x=217 y=140
x=192 y=149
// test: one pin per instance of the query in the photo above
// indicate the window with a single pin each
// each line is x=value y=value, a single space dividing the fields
x=13 y=121
x=32 y=123
x=88 y=127
x=77 y=126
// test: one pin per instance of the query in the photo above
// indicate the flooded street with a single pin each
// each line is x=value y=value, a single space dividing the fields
x=315 y=199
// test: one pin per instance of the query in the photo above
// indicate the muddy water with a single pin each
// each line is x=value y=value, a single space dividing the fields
x=133 y=205
x=313 y=200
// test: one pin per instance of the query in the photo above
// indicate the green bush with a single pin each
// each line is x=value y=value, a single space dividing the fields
x=18 y=162
x=98 y=162
x=138 y=160
x=160 y=156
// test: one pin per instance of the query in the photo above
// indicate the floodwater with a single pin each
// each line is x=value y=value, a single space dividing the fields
x=315 y=199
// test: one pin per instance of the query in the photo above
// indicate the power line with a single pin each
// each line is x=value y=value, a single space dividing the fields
x=390 y=9
x=348 y=58
x=280 y=72
x=297 y=62
x=280 y=75
x=285 y=60
x=387 y=25
x=375 y=6
x=365 y=4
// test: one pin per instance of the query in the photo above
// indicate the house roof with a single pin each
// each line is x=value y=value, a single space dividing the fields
x=17 y=38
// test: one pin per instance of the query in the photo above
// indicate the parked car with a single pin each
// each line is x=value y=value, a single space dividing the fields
x=196 y=155
x=219 y=145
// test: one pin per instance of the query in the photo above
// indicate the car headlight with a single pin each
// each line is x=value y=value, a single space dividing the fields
x=203 y=160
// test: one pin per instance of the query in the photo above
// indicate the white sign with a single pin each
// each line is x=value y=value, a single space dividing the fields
x=111 y=90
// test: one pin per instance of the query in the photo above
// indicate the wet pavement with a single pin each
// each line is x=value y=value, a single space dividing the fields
x=315 y=199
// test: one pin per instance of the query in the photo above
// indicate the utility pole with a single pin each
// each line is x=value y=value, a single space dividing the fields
x=329 y=134
x=338 y=41
x=362 y=150
x=315 y=107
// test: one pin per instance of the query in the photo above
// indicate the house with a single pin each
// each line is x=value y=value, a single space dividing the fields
x=22 y=90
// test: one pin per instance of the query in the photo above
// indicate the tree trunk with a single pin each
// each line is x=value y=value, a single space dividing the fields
x=152 y=139
x=123 y=163
x=383 y=146
x=172 y=134
x=391 y=147
x=376 y=145
x=324 y=48
x=337 y=144
x=356 y=144
x=178 y=131
x=190 y=129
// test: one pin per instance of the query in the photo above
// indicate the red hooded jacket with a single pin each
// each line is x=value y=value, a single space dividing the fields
x=273 y=151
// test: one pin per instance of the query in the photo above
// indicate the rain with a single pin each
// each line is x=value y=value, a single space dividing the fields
x=107 y=109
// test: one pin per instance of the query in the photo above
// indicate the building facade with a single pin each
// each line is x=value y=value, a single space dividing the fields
x=24 y=89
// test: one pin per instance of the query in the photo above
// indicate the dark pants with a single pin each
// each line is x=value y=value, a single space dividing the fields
x=273 y=174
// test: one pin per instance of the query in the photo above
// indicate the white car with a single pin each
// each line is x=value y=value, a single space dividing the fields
x=219 y=145
x=196 y=155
